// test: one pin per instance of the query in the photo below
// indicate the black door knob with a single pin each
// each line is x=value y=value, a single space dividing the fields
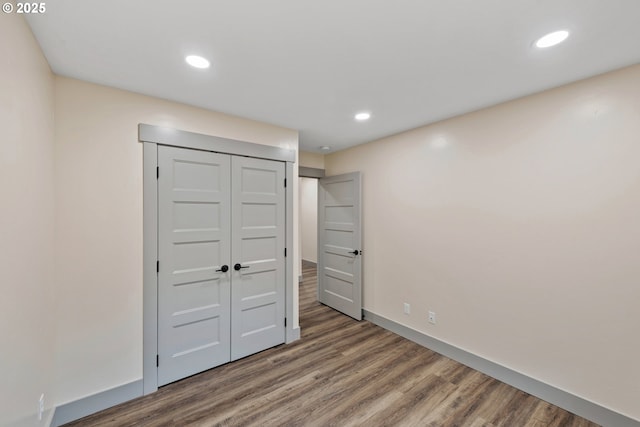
x=238 y=266
x=356 y=252
x=224 y=268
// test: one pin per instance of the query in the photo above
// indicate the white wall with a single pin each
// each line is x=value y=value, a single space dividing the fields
x=99 y=224
x=518 y=225
x=309 y=218
x=27 y=305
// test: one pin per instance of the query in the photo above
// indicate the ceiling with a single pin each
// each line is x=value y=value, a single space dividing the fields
x=312 y=65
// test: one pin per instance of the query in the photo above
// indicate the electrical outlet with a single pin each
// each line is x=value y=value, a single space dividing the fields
x=40 y=407
x=407 y=308
x=432 y=317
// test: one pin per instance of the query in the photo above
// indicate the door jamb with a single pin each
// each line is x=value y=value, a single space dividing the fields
x=152 y=136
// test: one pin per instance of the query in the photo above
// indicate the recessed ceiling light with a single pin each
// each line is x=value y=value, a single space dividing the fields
x=363 y=116
x=197 y=61
x=552 y=39
x=325 y=148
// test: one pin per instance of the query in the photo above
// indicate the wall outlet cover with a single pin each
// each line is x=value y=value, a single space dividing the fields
x=432 y=317
x=407 y=308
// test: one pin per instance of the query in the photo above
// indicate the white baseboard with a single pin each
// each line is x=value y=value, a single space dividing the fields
x=293 y=335
x=97 y=402
x=574 y=404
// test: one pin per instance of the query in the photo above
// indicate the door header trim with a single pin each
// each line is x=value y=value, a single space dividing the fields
x=181 y=138
x=305 y=172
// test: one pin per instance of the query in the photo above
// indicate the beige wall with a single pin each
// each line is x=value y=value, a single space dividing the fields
x=27 y=305
x=99 y=223
x=518 y=225
x=309 y=219
x=311 y=160
x=519 y=228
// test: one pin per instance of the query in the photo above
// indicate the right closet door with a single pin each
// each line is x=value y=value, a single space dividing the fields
x=257 y=247
x=221 y=280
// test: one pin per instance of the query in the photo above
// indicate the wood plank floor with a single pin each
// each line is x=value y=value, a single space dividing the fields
x=341 y=373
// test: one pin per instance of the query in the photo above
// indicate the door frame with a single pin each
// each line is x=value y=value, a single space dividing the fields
x=151 y=136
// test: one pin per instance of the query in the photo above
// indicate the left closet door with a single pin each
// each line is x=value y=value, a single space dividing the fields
x=194 y=246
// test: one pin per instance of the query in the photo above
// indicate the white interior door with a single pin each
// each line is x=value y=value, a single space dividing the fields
x=340 y=244
x=258 y=247
x=194 y=244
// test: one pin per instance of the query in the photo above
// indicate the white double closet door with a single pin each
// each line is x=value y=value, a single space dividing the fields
x=217 y=210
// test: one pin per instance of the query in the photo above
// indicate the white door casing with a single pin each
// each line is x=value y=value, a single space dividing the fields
x=153 y=137
x=340 y=243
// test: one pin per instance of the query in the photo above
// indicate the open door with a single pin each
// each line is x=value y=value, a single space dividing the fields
x=340 y=244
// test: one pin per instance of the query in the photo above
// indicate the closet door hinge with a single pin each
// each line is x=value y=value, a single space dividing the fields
x=285 y=183
x=157 y=266
x=285 y=252
x=285 y=321
x=157 y=172
x=157 y=360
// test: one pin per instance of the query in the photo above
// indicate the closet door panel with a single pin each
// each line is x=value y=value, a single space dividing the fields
x=258 y=238
x=194 y=241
